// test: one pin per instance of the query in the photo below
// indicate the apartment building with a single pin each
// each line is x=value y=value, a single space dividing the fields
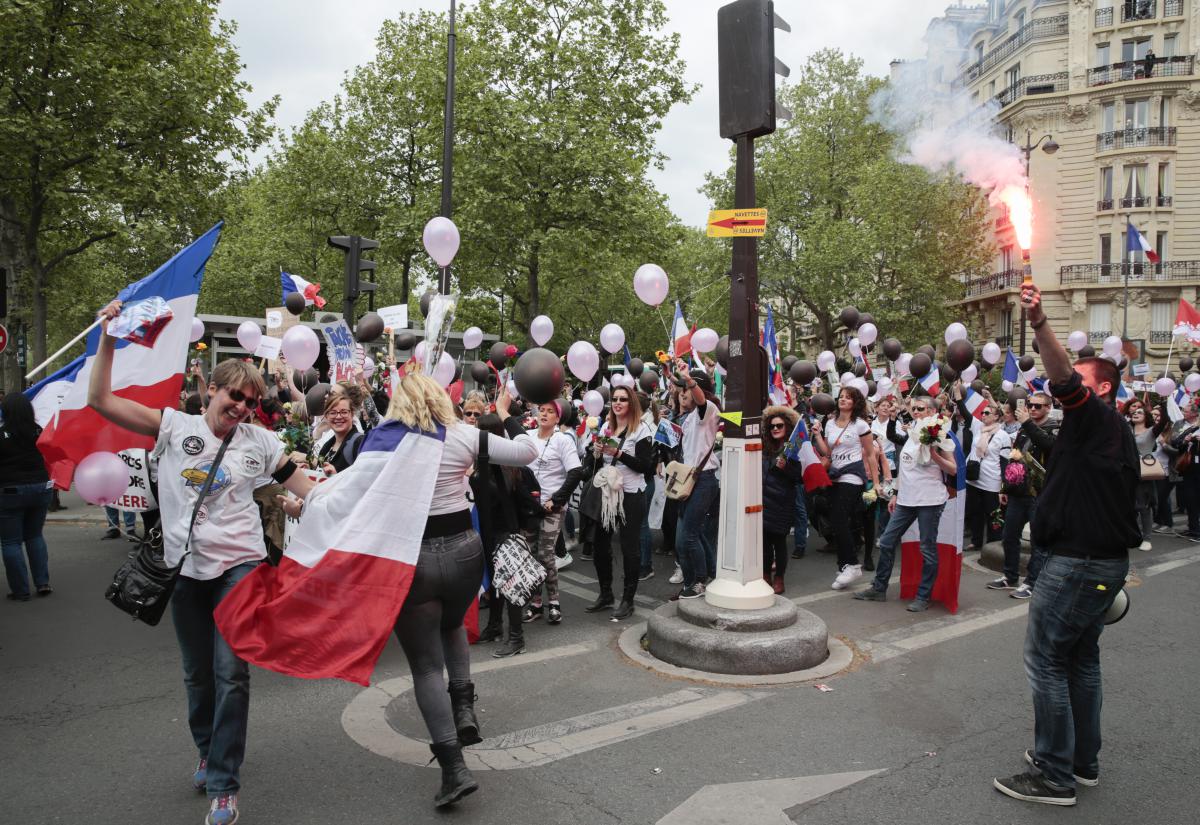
x=1111 y=91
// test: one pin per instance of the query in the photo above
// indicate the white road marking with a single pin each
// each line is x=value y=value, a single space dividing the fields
x=831 y=593
x=761 y=802
x=889 y=646
x=567 y=587
x=1171 y=561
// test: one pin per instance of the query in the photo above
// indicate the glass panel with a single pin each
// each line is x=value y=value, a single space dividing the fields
x=1106 y=249
x=1100 y=317
x=1137 y=114
x=1013 y=76
x=1108 y=117
x=1164 y=170
x=1162 y=316
x=1168 y=45
x=1135 y=181
x=1160 y=246
x=1006 y=258
x=1106 y=183
x=1102 y=54
x=1164 y=111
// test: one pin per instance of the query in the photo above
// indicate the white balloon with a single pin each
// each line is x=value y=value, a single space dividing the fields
x=955 y=332
x=991 y=352
x=1077 y=340
x=855 y=347
x=860 y=384
x=612 y=338
x=541 y=329
x=1007 y=386
x=249 y=336
x=902 y=363
x=705 y=340
x=443 y=373
x=651 y=284
x=368 y=367
x=1164 y=386
x=846 y=378
x=441 y=240
x=1112 y=346
x=197 y=330
x=472 y=337
x=826 y=361
x=883 y=383
x=419 y=352
x=593 y=402
x=867 y=333
x=1192 y=382
x=969 y=374
x=583 y=360
x=300 y=347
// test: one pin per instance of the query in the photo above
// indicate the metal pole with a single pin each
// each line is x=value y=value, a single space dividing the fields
x=448 y=143
x=1026 y=150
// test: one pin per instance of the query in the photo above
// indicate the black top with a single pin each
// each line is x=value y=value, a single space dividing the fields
x=20 y=460
x=1087 y=505
x=344 y=456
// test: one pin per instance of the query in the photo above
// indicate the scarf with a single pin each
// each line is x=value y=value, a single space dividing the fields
x=985 y=438
x=612 y=497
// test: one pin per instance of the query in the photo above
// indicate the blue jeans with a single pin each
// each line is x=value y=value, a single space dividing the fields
x=217 y=681
x=800 y=545
x=1062 y=661
x=1020 y=511
x=927 y=518
x=22 y=516
x=111 y=513
x=647 y=537
x=692 y=539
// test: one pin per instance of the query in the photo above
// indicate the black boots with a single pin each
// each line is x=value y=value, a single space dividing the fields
x=457 y=781
x=495 y=624
x=624 y=610
x=462 y=701
x=603 y=601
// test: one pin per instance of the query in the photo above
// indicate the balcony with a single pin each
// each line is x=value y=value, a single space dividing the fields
x=1160 y=336
x=1033 y=30
x=1104 y=17
x=1138 y=10
x=1173 y=8
x=1182 y=66
x=1104 y=205
x=1137 y=202
x=1163 y=200
x=1098 y=335
x=1037 y=84
x=996 y=282
x=1116 y=273
x=1142 y=137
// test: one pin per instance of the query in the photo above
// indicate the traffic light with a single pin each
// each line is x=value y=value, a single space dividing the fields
x=354 y=246
x=746 y=68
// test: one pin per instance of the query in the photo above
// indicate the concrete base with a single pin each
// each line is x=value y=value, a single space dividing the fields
x=992 y=556
x=782 y=638
x=754 y=595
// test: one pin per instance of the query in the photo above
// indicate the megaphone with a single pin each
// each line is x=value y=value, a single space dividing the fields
x=1118 y=608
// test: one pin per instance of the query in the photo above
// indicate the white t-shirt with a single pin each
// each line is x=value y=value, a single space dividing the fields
x=920 y=484
x=228 y=529
x=631 y=480
x=451 y=491
x=848 y=446
x=557 y=456
x=989 y=465
x=879 y=430
x=699 y=433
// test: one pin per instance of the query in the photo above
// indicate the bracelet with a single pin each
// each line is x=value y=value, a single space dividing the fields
x=692 y=385
x=1039 y=324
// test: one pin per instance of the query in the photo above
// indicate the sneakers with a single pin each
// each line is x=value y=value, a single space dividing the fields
x=693 y=592
x=871 y=595
x=1001 y=584
x=1145 y=546
x=513 y=647
x=1087 y=782
x=1025 y=591
x=1163 y=528
x=200 y=775
x=918 y=606
x=222 y=810
x=531 y=613
x=554 y=615
x=646 y=574
x=1030 y=787
x=850 y=573
x=677 y=576
x=563 y=562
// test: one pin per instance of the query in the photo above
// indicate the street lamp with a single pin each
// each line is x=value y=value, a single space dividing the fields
x=1049 y=146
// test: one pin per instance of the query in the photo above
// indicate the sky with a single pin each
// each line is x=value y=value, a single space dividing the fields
x=301 y=50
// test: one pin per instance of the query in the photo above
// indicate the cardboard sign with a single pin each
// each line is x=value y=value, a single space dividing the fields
x=268 y=347
x=138 y=498
x=395 y=317
x=279 y=321
x=341 y=351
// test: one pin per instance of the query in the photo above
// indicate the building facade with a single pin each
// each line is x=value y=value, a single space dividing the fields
x=1115 y=83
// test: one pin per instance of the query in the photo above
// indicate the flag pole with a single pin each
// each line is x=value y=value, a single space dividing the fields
x=63 y=349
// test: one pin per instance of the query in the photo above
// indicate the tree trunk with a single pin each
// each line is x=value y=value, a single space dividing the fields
x=534 y=307
x=11 y=377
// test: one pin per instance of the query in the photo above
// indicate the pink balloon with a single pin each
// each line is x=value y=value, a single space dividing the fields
x=583 y=360
x=300 y=347
x=651 y=284
x=612 y=338
x=593 y=402
x=441 y=240
x=197 y=330
x=368 y=367
x=249 y=335
x=705 y=340
x=102 y=478
x=541 y=329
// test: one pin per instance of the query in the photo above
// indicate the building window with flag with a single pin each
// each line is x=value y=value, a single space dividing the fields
x=1099 y=321
x=1162 y=316
x=1138 y=248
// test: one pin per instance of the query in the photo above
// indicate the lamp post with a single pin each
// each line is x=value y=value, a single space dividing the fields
x=1049 y=146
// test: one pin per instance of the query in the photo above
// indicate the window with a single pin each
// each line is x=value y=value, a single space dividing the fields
x=1162 y=316
x=1013 y=76
x=1106 y=185
x=1100 y=319
x=1134 y=49
x=1169 y=41
x=1132 y=256
x=1164 y=111
x=1135 y=181
x=1102 y=54
x=1020 y=18
x=992 y=89
x=1108 y=117
x=1004 y=325
x=978 y=52
x=1006 y=258
x=1160 y=245
x=1164 y=178
x=1106 y=249
x=1137 y=114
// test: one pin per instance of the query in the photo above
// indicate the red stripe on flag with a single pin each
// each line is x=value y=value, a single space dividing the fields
x=945 y=586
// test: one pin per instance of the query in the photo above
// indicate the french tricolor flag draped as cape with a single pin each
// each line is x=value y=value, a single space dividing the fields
x=949 y=542
x=327 y=610
x=800 y=448
x=294 y=283
x=150 y=376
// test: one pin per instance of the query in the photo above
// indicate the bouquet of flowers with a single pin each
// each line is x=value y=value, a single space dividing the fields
x=1023 y=474
x=933 y=431
x=295 y=433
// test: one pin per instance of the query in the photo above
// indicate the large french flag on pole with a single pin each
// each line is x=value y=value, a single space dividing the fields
x=294 y=283
x=949 y=544
x=47 y=395
x=327 y=610
x=1135 y=241
x=150 y=376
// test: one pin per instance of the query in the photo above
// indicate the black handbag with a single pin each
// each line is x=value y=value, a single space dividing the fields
x=144 y=583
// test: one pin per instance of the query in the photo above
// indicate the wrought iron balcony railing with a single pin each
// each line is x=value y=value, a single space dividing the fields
x=1138 y=10
x=1038 y=84
x=1104 y=17
x=1164 y=200
x=1104 y=205
x=1116 y=273
x=1158 y=336
x=1181 y=66
x=1172 y=8
x=1033 y=30
x=1098 y=335
x=1140 y=137
x=996 y=282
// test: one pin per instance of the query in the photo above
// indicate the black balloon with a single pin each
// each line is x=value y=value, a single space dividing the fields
x=1087 y=351
x=920 y=365
x=368 y=328
x=1018 y=393
x=306 y=379
x=892 y=349
x=1025 y=363
x=426 y=300
x=960 y=354
x=406 y=340
x=1123 y=364
x=860 y=369
x=498 y=354
x=539 y=375
x=803 y=373
x=635 y=367
x=723 y=351
x=849 y=318
x=978 y=385
x=928 y=350
x=294 y=303
x=787 y=362
x=1186 y=364
x=648 y=381
x=314 y=399
x=948 y=373
x=823 y=403
x=871 y=387
x=865 y=318
x=480 y=372
x=329 y=319
x=604 y=393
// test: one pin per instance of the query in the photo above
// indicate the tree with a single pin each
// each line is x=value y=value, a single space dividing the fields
x=116 y=113
x=850 y=225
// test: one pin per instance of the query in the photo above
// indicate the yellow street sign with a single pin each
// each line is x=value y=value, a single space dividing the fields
x=733 y=223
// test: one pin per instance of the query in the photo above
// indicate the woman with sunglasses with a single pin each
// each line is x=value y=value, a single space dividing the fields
x=781 y=475
x=1145 y=435
x=474 y=406
x=990 y=446
x=225 y=544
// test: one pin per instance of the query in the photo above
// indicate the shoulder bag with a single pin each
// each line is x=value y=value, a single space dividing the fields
x=679 y=479
x=516 y=574
x=144 y=583
x=1151 y=469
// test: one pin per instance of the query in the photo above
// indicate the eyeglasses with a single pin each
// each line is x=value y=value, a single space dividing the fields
x=779 y=426
x=1037 y=406
x=239 y=397
x=338 y=414
x=916 y=408
x=471 y=414
x=989 y=412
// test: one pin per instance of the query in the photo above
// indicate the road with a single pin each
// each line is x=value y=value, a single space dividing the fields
x=93 y=725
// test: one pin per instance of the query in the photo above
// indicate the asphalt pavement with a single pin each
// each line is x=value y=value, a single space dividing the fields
x=93 y=726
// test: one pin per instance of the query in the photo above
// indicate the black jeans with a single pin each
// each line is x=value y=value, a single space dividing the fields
x=774 y=552
x=630 y=532
x=1163 y=516
x=845 y=505
x=1189 y=495
x=980 y=504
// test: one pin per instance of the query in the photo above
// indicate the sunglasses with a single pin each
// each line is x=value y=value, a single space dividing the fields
x=239 y=397
x=471 y=414
x=779 y=426
x=989 y=412
x=1037 y=406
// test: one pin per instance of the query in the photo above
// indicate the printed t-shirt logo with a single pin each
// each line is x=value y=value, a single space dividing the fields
x=194 y=476
x=251 y=465
x=193 y=445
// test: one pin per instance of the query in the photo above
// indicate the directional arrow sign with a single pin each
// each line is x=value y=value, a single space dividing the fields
x=731 y=223
x=762 y=802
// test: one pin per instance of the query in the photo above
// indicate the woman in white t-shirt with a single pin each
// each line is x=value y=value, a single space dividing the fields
x=620 y=459
x=848 y=450
x=225 y=545
x=989 y=444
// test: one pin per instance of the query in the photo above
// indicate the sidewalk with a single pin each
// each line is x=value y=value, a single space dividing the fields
x=78 y=511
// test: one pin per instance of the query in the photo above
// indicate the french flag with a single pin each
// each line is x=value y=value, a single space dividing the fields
x=949 y=544
x=47 y=395
x=681 y=335
x=800 y=448
x=975 y=403
x=774 y=378
x=294 y=283
x=327 y=610
x=152 y=377
x=932 y=380
x=1136 y=242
